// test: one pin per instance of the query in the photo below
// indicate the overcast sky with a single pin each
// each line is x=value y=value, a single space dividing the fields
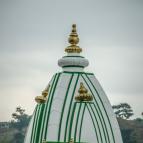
x=33 y=36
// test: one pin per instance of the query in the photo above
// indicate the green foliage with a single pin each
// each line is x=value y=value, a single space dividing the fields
x=139 y=120
x=126 y=134
x=123 y=110
x=19 y=122
x=18 y=138
x=21 y=119
x=129 y=136
x=131 y=130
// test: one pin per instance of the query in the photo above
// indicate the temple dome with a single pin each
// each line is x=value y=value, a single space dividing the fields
x=73 y=108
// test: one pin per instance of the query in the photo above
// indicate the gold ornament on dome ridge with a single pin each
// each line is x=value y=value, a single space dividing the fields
x=73 y=40
x=83 y=94
x=71 y=141
x=43 y=97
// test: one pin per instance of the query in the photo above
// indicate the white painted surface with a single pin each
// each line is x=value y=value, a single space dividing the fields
x=102 y=105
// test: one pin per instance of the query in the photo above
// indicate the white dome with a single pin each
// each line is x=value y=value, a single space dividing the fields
x=61 y=117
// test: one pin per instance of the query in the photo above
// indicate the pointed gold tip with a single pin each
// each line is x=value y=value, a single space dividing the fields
x=74 y=28
x=73 y=40
x=71 y=141
x=74 y=25
x=83 y=94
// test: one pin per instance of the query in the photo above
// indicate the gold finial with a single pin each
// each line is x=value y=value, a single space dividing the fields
x=43 y=97
x=73 y=40
x=83 y=94
x=71 y=141
x=44 y=141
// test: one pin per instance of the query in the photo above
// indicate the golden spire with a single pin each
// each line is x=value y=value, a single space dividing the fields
x=44 y=141
x=43 y=97
x=73 y=40
x=71 y=141
x=83 y=94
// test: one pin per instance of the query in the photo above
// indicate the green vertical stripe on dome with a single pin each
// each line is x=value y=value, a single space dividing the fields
x=79 y=109
x=47 y=105
x=97 y=104
x=103 y=108
x=39 y=123
x=35 y=112
x=97 y=121
x=80 y=129
x=71 y=121
x=70 y=106
x=103 y=123
x=50 y=104
x=44 y=112
x=36 y=122
x=60 y=123
x=93 y=124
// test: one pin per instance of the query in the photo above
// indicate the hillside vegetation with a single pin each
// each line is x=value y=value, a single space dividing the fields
x=131 y=130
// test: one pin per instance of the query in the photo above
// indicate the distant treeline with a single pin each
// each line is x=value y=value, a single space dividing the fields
x=131 y=130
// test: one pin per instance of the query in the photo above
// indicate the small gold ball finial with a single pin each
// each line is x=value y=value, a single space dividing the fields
x=44 y=141
x=71 y=141
x=73 y=40
x=83 y=94
x=74 y=28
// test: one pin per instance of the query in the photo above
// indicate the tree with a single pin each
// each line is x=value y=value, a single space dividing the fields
x=20 y=122
x=123 y=110
x=21 y=119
